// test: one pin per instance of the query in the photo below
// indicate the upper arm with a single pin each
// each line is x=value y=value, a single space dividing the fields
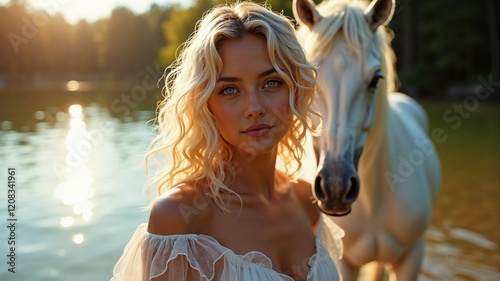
x=178 y=212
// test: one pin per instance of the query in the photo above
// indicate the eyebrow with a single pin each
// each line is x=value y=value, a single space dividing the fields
x=232 y=79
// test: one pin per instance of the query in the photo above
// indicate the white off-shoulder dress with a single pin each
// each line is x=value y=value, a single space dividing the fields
x=198 y=257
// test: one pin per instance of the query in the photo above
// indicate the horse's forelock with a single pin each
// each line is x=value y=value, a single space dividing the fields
x=339 y=16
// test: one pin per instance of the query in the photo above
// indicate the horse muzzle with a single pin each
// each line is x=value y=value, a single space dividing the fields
x=336 y=187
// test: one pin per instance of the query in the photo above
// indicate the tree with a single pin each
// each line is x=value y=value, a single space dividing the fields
x=84 y=57
x=123 y=41
x=153 y=21
x=180 y=25
x=56 y=37
x=494 y=39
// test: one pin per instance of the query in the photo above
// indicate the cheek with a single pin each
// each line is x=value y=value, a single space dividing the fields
x=283 y=113
x=217 y=110
x=222 y=118
x=282 y=103
x=225 y=119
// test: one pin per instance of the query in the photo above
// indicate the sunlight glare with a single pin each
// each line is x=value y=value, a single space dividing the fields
x=73 y=194
x=87 y=215
x=76 y=188
x=76 y=111
x=67 y=221
x=77 y=123
x=78 y=238
x=73 y=85
x=82 y=207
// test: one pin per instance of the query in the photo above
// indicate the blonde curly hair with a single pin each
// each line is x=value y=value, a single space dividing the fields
x=187 y=136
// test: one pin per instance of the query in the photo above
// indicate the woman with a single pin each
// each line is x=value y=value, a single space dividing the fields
x=237 y=102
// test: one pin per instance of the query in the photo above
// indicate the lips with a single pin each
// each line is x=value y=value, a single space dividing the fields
x=257 y=130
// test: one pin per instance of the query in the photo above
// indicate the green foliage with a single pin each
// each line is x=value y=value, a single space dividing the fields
x=180 y=25
x=451 y=31
x=450 y=42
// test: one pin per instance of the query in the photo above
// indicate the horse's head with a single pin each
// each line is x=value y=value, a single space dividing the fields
x=340 y=37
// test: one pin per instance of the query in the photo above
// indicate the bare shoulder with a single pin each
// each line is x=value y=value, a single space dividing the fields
x=303 y=190
x=182 y=210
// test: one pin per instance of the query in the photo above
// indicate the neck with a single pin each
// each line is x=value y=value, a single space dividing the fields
x=255 y=174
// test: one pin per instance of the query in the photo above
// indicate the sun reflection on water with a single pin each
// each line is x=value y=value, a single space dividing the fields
x=73 y=85
x=76 y=189
x=78 y=238
x=67 y=221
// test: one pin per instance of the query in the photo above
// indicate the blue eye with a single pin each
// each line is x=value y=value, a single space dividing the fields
x=228 y=91
x=272 y=83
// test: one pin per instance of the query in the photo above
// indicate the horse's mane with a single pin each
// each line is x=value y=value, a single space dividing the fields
x=347 y=17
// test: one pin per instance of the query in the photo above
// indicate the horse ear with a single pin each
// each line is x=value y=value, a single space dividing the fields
x=379 y=12
x=305 y=13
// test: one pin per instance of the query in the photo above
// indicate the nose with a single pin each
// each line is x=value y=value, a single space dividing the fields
x=336 y=189
x=347 y=194
x=254 y=106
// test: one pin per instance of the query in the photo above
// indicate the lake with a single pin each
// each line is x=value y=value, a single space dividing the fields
x=79 y=174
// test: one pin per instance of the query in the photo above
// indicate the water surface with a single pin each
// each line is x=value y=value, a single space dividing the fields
x=80 y=174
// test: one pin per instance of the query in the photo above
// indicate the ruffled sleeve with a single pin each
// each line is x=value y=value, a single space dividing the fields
x=172 y=257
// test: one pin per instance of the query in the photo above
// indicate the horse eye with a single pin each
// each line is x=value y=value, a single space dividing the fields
x=373 y=84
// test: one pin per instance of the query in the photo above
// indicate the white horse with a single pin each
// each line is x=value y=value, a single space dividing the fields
x=374 y=142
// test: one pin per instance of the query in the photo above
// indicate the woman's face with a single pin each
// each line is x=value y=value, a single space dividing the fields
x=250 y=100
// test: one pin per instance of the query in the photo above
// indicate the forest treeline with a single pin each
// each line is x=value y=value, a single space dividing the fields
x=437 y=43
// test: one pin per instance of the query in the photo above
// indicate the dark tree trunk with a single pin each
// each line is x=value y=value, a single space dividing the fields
x=493 y=30
x=408 y=35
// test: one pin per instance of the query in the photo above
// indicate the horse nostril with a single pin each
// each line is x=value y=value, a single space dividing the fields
x=353 y=192
x=318 y=190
